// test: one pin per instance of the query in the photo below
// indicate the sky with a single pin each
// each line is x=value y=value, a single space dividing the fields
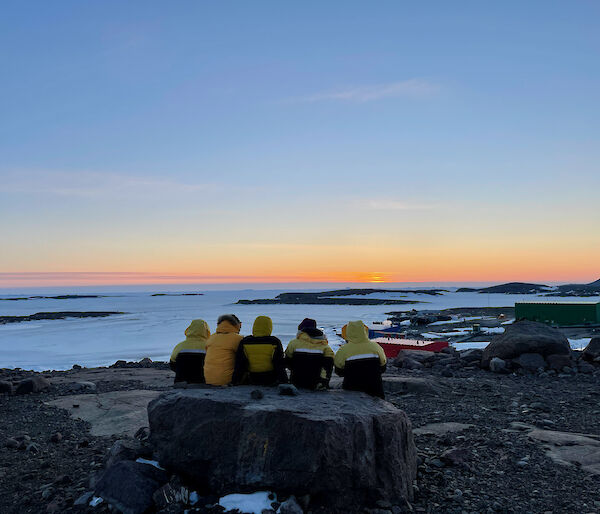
x=268 y=141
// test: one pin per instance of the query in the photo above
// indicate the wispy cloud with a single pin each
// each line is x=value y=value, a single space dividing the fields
x=90 y=184
x=368 y=93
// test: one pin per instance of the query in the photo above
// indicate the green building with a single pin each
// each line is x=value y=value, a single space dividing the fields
x=559 y=313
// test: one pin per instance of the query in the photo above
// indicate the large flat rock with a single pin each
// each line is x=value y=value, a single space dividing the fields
x=345 y=449
x=113 y=413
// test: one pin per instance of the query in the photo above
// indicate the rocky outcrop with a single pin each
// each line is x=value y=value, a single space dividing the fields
x=526 y=337
x=347 y=450
x=35 y=384
x=591 y=352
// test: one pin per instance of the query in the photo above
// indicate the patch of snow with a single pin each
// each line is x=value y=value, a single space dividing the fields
x=579 y=344
x=457 y=320
x=509 y=322
x=253 y=503
x=95 y=501
x=150 y=463
x=492 y=330
x=441 y=335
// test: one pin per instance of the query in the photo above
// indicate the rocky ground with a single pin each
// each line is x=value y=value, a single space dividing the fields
x=474 y=430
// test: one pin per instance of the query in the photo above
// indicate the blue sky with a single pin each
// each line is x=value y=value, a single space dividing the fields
x=128 y=129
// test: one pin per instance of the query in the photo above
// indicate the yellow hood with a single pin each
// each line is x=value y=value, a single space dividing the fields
x=263 y=326
x=198 y=329
x=356 y=332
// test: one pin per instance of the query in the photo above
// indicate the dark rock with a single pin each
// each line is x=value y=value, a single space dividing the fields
x=498 y=365
x=530 y=361
x=558 y=362
x=56 y=437
x=288 y=390
x=119 y=364
x=84 y=499
x=526 y=337
x=172 y=493
x=408 y=363
x=76 y=367
x=471 y=355
x=146 y=362
x=6 y=387
x=421 y=356
x=34 y=384
x=592 y=350
x=456 y=456
x=290 y=506
x=11 y=443
x=447 y=373
x=224 y=440
x=257 y=394
x=83 y=387
x=142 y=434
x=585 y=367
x=130 y=486
x=33 y=448
x=124 y=449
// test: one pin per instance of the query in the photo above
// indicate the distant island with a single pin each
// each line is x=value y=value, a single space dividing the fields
x=59 y=297
x=339 y=297
x=591 y=289
x=56 y=315
x=177 y=294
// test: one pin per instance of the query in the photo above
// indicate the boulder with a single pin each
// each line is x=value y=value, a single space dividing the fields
x=347 y=450
x=125 y=449
x=530 y=361
x=526 y=337
x=497 y=365
x=421 y=356
x=558 y=362
x=471 y=355
x=592 y=350
x=6 y=387
x=34 y=384
x=130 y=486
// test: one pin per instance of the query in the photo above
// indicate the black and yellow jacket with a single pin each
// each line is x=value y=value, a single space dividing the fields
x=360 y=361
x=187 y=359
x=259 y=357
x=310 y=359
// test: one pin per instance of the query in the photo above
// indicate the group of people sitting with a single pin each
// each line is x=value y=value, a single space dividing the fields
x=226 y=357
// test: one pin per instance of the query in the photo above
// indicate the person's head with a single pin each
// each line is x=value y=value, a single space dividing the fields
x=263 y=326
x=307 y=323
x=198 y=329
x=231 y=319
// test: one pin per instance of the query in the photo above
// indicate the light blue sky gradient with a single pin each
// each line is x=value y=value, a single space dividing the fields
x=334 y=122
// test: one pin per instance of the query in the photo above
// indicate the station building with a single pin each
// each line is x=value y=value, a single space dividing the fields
x=559 y=313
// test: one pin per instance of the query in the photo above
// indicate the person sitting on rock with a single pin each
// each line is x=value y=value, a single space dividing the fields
x=221 y=348
x=360 y=361
x=259 y=357
x=187 y=359
x=309 y=357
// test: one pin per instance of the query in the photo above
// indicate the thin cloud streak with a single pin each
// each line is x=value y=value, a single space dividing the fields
x=411 y=88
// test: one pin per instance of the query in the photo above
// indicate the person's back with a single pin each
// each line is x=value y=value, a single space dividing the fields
x=220 y=350
x=360 y=361
x=187 y=359
x=259 y=357
x=309 y=357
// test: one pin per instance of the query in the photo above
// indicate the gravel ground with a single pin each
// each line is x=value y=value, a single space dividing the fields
x=489 y=469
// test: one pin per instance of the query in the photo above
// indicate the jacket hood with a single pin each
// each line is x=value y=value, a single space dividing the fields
x=226 y=327
x=263 y=326
x=198 y=329
x=303 y=336
x=356 y=332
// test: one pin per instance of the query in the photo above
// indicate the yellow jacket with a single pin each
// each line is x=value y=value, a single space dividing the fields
x=304 y=341
x=195 y=338
x=220 y=354
x=358 y=344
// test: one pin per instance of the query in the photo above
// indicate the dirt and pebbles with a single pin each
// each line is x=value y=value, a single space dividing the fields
x=489 y=465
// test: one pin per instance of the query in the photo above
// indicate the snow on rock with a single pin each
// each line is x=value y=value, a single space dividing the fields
x=253 y=503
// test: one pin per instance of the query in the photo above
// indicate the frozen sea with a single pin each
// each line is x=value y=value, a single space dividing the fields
x=152 y=325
